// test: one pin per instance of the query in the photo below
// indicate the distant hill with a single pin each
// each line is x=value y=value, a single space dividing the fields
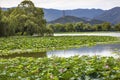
x=4 y=9
x=66 y=19
x=73 y=19
x=112 y=16
x=52 y=14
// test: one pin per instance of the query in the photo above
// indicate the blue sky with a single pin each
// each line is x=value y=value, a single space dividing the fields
x=66 y=4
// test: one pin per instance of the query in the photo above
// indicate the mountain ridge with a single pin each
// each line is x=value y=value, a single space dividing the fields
x=52 y=14
x=112 y=16
x=73 y=19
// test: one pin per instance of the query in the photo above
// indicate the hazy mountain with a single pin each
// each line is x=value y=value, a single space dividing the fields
x=73 y=19
x=52 y=14
x=112 y=15
x=4 y=9
x=66 y=19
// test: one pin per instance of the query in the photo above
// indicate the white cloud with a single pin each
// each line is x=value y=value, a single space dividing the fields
x=66 y=4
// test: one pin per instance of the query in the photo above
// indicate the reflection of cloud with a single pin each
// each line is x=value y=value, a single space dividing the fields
x=102 y=50
x=66 y=4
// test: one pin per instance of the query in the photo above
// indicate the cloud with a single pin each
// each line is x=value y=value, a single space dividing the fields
x=66 y=4
x=9 y=3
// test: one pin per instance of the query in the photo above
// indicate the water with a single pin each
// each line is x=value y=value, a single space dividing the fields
x=101 y=50
x=113 y=34
x=35 y=55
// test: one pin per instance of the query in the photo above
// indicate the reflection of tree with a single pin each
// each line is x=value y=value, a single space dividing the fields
x=88 y=50
x=27 y=54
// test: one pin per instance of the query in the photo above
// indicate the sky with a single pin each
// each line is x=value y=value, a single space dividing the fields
x=66 y=4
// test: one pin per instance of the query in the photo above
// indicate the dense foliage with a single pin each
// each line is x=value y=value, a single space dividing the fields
x=83 y=27
x=21 y=44
x=25 y=19
x=74 y=68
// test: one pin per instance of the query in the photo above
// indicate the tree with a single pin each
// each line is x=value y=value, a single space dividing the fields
x=39 y=19
x=0 y=17
x=87 y=27
x=69 y=27
x=29 y=19
x=106 y=26
x=52 y=26
x=0 y=14
x=49 y=30
x=117 y=27
x=79 y=26
x=3 y=25
x=97 y=27
x=59 y=27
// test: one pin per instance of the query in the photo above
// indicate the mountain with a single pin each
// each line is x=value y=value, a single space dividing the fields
x=53 y=14
x=73 y=19
x=5 y=9
x=66 y=19
x=112 y=16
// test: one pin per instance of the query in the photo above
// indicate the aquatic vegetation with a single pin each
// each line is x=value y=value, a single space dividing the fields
x=73 y=68
x=55 y=68
x=19 y=45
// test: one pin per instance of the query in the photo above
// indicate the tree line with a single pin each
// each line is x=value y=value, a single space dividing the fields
x=83 y=27
x=25 y=19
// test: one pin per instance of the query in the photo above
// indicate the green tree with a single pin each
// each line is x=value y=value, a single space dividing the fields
x=0 y=17
x=97 y=27
x=59 y=27
x=117 y=27
x=87 y=27
x=3 y=25
x=39 y=19
x=52 y=26
x=29 y=19
x=106 y=26
x=49 y=30
x=79 y=26
x=69 y=27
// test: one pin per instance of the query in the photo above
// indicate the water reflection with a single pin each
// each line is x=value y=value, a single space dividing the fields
x=35 y=55
x=101 y=49
x=113 y=34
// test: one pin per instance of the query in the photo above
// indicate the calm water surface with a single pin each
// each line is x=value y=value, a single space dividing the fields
x=101 y=49
x=113 y=34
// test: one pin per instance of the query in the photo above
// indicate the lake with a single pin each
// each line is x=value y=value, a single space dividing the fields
x=113 y=34
x=100 y=49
